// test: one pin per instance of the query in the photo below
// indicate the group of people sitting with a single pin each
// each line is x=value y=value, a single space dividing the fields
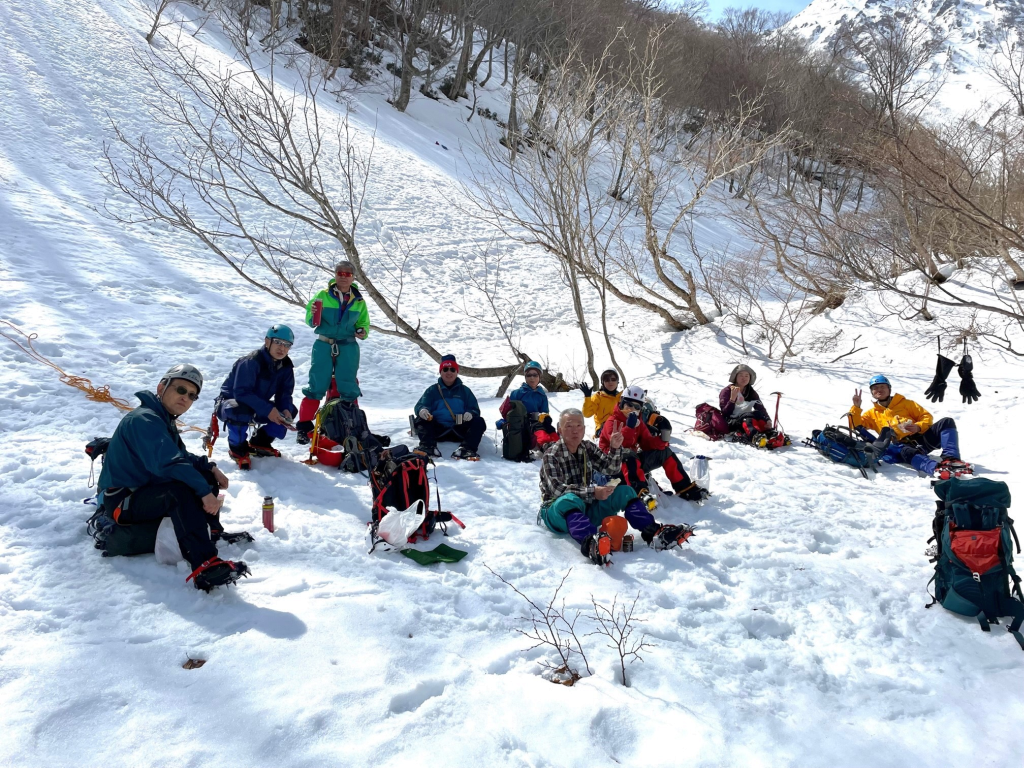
x=148 y=474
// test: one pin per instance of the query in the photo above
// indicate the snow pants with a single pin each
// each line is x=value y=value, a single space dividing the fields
x=468 y=433
x=570 y=514
x=179 y=502
x=543 y=434
x=635 y=469
x=914 y=450
x=339 y=360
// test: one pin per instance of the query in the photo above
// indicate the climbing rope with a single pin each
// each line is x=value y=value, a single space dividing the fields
x=96 y=394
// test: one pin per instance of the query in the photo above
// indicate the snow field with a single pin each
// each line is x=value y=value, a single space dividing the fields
x=790 y=631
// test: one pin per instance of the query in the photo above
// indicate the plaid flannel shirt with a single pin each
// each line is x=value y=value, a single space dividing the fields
x=563 y=472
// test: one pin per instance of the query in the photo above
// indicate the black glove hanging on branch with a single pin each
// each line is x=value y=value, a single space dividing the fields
x=937 y=389
x=585 y=389
x=966 y=370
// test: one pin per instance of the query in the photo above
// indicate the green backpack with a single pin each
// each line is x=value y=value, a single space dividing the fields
x=975 y=540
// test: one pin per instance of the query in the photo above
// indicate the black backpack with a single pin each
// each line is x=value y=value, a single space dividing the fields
x=399 y=480
x=516 y=437
x=345 y=423
x=974 y=542
x=110 y=537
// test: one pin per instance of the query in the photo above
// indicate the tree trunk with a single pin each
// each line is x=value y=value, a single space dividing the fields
x=458 y=87
x=408 y=56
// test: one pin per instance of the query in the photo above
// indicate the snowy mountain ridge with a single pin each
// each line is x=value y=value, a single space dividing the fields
x=969 y=29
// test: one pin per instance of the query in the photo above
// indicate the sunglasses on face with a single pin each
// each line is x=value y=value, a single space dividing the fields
x=280 y=343
x=610 y=380
x=448 y=369
x=193 y=396
x=629 y=406
x=343 y=274
x=531 y=375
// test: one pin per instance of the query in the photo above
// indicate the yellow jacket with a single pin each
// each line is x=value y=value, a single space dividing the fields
x=899 y=410
x=599 y=406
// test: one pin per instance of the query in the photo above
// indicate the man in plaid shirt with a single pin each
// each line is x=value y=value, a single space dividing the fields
x=574 y=503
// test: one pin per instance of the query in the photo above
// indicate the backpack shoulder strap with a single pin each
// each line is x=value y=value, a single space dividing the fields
x=441 y=393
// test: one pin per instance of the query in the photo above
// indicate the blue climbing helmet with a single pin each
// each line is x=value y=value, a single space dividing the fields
x=879 y=379
x=282 y=332
x=535 y=365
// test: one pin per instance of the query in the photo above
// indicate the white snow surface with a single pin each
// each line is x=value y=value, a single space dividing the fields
x=791 y=630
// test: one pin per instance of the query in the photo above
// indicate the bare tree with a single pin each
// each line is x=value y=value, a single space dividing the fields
x=618 y=624
x=259 y=174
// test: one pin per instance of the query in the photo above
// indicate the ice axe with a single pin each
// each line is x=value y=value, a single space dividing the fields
x=211 y=435
x=778 y=397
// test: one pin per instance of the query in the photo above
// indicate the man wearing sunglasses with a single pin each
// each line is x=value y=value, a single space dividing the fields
x=338 y=316
x=258 y=392
x=148 y=475
x=448 y=410
x=599 y=405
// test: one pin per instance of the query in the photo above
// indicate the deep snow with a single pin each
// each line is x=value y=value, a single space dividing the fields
x=790 y=631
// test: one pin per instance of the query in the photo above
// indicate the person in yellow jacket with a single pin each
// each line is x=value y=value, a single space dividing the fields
x=914 y=434
x=600 y=405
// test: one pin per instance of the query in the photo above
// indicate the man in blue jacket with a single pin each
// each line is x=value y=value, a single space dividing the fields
x=148 y=475
x=258 y=392
x=448 y=411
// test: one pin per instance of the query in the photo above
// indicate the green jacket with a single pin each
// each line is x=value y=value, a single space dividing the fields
x=336 y=321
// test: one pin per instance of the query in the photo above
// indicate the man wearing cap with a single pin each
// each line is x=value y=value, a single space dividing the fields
x=913 y=433
x=258 y=392
x=338 y=316
x=448 y=410
x=148 y=475
x=535 y=400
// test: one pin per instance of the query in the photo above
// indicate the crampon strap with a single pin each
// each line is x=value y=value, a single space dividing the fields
x=209 y=564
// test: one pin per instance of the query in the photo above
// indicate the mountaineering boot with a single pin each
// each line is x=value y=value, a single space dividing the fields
x=303 y=428
x=666 y=536
x=217 y=573
x=950 y=467
x=466 y=453
x=230 y=538
x=598 y=547
x=240 y=454
x=648 y=499
x=261 y=444
x=427 y=451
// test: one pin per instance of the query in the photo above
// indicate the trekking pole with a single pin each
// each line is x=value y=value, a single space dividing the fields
x=778 y=397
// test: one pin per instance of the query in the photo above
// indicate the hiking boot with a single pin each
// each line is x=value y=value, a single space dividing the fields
x=217 y=573
x=262 y=444
x=240 y=454
x=666 y=536
x=950 y=467
x=467 y=454
x=598 y=547
x=303 y=429
x=427 y=451
x=647 y=499
x=230 y=538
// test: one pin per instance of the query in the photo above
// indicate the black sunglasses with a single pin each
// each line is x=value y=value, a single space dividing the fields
x=448 y=368
x=532 y=375
x=193 y=396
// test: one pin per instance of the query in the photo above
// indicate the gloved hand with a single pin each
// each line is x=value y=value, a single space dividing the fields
x=632 y=420
x=967 y=387
x=467 y=416
x=937 y=389
x=424 y=414
x=585 y=389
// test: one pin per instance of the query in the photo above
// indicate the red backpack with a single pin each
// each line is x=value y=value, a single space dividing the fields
x=710 y=422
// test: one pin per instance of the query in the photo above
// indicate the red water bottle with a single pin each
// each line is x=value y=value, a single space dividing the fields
x=268 y=513
x=318 y=310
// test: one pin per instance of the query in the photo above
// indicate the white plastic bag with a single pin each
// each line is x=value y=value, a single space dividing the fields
x=167 y=550
x=398 y=525
x=700 y=472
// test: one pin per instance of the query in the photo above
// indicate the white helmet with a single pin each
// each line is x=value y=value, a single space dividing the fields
x=635 y=394
x=186 y=372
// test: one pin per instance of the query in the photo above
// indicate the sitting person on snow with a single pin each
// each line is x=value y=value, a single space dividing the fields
x=535 y=399
x=744 y=412
x=599 y=405
x=148 y=475
x=577 y=501
x=448 y=411
x=258 y=391
x=646 y=451
x=913 y=434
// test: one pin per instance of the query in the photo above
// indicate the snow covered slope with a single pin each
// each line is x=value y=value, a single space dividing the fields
x=791 y=631
x=969 y=28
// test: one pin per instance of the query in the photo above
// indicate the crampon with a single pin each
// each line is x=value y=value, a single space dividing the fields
x=217 y=573
x=598 y=547
x=953 y=468
x=667 y=536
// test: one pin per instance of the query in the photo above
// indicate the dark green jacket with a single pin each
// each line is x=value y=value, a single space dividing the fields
x=146 y=449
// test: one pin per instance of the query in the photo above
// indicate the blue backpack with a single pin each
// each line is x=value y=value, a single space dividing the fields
x=841 y=445
x=974 y=541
